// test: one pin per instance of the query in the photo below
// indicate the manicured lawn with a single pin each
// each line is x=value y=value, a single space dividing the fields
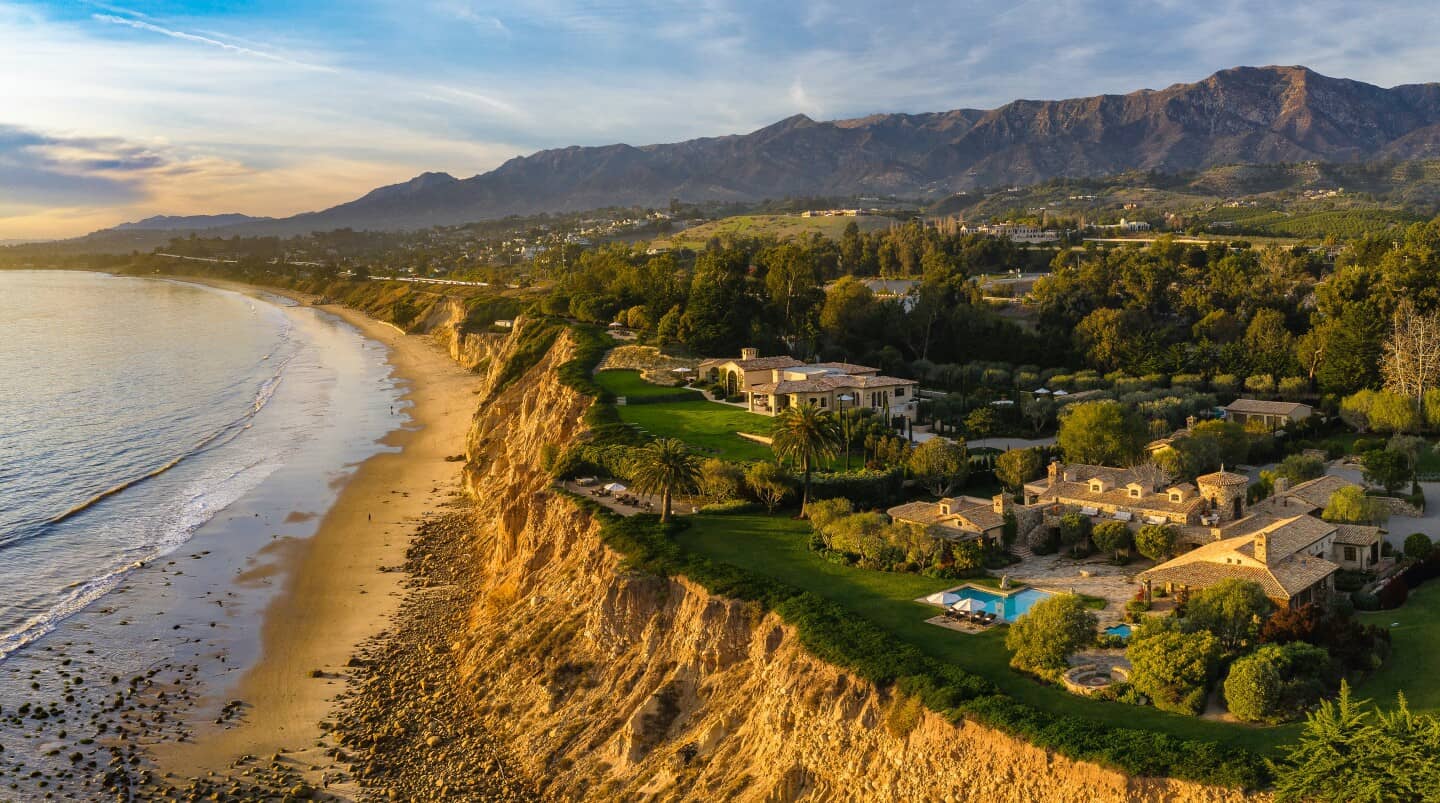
x=708 y=427
x=776 y=547
x=630 y=385
x=1416 y=643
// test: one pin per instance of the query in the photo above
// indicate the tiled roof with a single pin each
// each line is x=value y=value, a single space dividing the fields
x=1317 y=492
x=845 y=367
x=1255 y=406
x=923 y=513
x=1287 y=571
x=1356 y=534
x=757 y=364
x=966 y=514
x=819 y=384
x=1222 y=478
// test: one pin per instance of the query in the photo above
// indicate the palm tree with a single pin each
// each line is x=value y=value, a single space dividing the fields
x=807 y=435
x=664 y=466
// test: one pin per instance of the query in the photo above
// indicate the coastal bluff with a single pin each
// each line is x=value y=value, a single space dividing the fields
x=610 y=684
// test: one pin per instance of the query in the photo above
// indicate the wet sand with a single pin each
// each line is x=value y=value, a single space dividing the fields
x=340 y=586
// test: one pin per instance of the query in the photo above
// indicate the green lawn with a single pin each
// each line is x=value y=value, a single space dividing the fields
x=630 y=385
x=776 y=547
x=1416 y=642
x=708 y=427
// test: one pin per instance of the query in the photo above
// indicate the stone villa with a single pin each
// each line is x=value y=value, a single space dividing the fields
x=771 y=384
x=1280 y=542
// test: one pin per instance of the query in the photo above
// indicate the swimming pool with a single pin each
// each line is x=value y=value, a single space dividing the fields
x=1007 y=606
x=1123 y=631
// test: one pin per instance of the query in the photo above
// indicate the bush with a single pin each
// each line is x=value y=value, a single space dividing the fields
x=730 y=507
x=865 y=488
x=1046 y=635
x=1418 y=546
x=1134 y=608
x=1173 y=669
x=1365 y=601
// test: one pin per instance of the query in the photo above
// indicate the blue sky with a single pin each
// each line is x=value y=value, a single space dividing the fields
x=116 y=110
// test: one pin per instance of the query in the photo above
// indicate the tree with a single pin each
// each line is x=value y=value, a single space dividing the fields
x=807 y=435
x=980 y=423
x=1233 y=610
x=1113 y=537
x=1392 y=412
x=940 y=464
x=664 y=466
x=1101 y=433
x=1232 y=443
x=1016 y=467
x=1388 y=469
x=1156 y=541
x=1276 y=682
x=1411 y=362
x=1039 y=409
x=720 y=480
x=1350 y=505
x=1355 y=409
x=1418 y=546
x=1074 y=528
x=1173 y=668
x=850 y=424
x=1348 y=753
x=1298 y=468
x=769 y=483
x=1049 y=632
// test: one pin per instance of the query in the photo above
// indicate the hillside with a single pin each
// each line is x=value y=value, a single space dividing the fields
x=1244 y=115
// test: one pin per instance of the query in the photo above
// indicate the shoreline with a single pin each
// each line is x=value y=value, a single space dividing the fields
x=342 y=585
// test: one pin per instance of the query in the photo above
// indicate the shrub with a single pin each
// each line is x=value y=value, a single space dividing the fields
x=1046 y=635
x=1231 y=610
x=1173 y=669
x=720 y=480
x=1276 y=682
x=1074 y=528
x=1418 y=546
x=730 y=507
x=1134 y=608
x=1156 y=541
x=1113 y=537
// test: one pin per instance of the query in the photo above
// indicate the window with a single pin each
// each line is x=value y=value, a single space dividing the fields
x=899 y=392
x=1350 y=553
x=1134 y=493
x=824 y=402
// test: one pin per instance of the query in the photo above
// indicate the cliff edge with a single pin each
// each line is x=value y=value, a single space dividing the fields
x=611 y=684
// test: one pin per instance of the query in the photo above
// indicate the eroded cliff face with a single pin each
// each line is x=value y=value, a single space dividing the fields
x=613 y=685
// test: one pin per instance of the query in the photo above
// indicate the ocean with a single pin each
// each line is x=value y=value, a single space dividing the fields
x=136 y=413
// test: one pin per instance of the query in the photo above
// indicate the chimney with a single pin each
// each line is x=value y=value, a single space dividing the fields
x=1002 y=503
x=749 y=354
x=1282 y=484
x=1262 y=548
x=1189 y=422
x=1054 y=472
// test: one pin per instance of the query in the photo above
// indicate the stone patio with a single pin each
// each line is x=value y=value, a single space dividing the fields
x=1094 y=576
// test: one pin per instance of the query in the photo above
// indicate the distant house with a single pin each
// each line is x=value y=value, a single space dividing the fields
x=961 y=517
x=771 y=384
x=1269 y=414
x=901 y=290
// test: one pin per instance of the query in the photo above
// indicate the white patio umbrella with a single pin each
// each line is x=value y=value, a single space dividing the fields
x=968 y=605
x=614 y=487
x=945 y=598
x=682 y=370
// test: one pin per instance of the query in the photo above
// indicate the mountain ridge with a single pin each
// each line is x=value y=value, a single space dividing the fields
x=1243 y=115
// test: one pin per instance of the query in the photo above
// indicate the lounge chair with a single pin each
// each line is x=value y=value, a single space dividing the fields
x=990 y=618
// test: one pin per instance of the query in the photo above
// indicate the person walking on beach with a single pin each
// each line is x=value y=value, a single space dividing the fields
x=368 y=518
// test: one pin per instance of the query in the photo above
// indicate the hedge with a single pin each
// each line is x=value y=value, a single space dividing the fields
x=866 y=489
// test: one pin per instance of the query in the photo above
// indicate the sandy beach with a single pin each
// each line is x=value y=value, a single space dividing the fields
x=337 y=590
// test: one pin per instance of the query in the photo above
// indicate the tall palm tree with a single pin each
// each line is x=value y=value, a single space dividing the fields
x=664 y=467
x=808 y=435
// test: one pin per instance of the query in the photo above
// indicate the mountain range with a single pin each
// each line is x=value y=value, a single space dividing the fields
x=1254 y=115
x=189 y=222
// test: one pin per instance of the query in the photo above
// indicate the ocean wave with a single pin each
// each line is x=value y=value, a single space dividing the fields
x=219 y=438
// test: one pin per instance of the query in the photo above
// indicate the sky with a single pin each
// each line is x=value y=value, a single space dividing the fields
x=117 y=111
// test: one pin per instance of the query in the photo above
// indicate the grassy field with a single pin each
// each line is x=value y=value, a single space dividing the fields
x=776 y=547
x=706 y=426
x=629 y=384
x=1416 y=640
x=778 y=226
